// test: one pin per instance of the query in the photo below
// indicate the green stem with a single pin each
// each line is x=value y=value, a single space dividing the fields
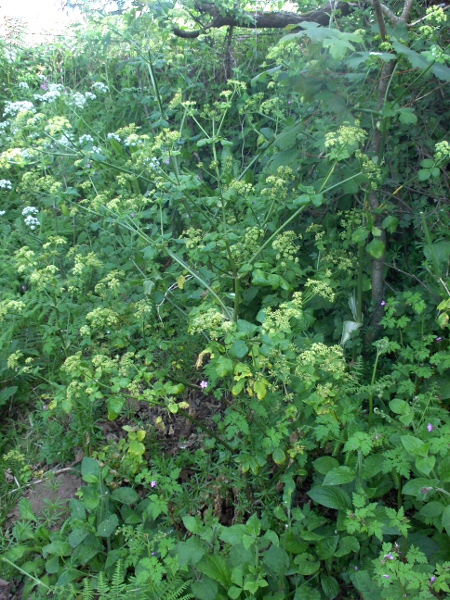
x=38 y=581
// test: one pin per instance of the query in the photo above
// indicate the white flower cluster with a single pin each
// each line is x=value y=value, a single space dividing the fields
x=3 y=125
x=85 y=139
x=23 y=85
x=133 y=140
x=79 y=100
x=30 y=210
x=55 y=90
x=29 y=220
x=2 y=212
x=114 y=136
x=153 y=163
x=14 y=108
x=5 y=184
x=98 y=86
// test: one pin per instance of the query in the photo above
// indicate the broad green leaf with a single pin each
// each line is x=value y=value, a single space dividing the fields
x=190 y=552
x=277 y=560
x=432 y=509
x=339 y=476
x=376 y=248
x=446 y=519
x=425 y=464
x=330 y=586
x=114 y=405
x=58 y=548
x=253 y=525
x=90 y=470
x=306 y=564
x=108 y=526
x=326 y=548
x=125 y=495
x=414 y=445
x=279 y=456
x=348 y=544
x=331 y=497
x=324 y=464
x=419 y=487
x=239 y=349
x=215 y=566
x=223 y=366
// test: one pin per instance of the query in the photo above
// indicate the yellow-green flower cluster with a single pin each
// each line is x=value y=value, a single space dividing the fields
x=250 y=244
x=280 y=319
x=329 y=359
x=319 y=287
x=370 y=169
x=436 y=15
x=112 y=281
x=442 y=151
x=86 y=261
x=278 y=184
x=284 y=245
x=101 y=318
x=11 y=307
x=209 y=320
x=192 y=237
x=46 y=277
x=342 y=143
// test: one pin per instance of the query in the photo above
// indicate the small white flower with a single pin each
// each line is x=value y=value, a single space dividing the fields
x=2 y=212
x=85 y=139
x=31 y=222
x=5 y=184
x=98 y=86
x=30 y=210
x=14 y=108
x=90 y=96
x=114 y=136
x=23 y=85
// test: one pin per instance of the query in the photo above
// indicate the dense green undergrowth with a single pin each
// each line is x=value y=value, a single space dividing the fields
x=263 y=257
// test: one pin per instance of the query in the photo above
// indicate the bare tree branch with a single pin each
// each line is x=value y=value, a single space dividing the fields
x=266 y=20
x=387 y=12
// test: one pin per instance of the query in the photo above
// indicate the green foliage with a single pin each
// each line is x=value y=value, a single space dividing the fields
x=188 y=262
